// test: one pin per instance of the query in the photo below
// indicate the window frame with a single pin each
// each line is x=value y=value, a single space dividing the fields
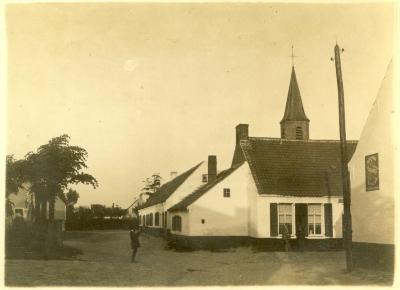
x=157 y=219
x=226 y=192
x=314 y=223
x=151 y=219
x=285 y=217
x=177 y=223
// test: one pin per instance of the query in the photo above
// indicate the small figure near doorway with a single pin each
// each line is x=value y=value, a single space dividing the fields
x=134 y=234
x=301 y=236
x=286 y=237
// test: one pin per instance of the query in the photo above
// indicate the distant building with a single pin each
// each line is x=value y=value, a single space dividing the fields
x=23 y=204
x=372 y=184
x=291 y=182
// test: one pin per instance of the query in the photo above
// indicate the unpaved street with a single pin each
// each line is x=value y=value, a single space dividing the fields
x=106 y=262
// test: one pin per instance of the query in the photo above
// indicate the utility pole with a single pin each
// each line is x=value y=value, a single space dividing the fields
x=344 y=165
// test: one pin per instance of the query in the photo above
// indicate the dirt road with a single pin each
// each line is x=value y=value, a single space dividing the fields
x=106 y=262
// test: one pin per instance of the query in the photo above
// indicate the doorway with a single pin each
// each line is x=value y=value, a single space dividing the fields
x=301 y=219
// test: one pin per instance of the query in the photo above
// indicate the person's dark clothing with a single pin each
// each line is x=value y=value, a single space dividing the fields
x=301 y=238
x=286 y=237
x=134 y=235
x=134 y=238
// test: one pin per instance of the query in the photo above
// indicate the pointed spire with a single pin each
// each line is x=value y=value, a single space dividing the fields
x=294 y=110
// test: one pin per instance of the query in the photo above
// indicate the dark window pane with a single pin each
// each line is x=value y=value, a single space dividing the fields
x=310 y=229
x=318 y=228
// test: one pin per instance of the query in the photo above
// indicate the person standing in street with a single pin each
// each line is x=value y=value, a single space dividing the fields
x=301 y=238
x=134 y=235
x=286 y=237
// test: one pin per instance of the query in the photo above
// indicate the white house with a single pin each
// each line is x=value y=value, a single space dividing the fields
x=372 y=184
x=153 y=215
x=292 y=181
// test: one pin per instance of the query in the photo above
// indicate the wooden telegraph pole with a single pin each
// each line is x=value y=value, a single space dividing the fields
x=344 y=161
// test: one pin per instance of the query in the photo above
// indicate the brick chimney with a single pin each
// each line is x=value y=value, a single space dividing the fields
x=212 y=168
x=242 y=133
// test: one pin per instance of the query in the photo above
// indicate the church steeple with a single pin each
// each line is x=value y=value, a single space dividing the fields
x=294 y=124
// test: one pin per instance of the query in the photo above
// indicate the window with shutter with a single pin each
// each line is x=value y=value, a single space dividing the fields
x=273 y=212
x=328 y=220
x=314 y=219
x=285 y=217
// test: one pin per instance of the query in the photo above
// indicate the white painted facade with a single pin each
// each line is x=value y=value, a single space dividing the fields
x=262 y=227
x=157 y=208
x=193 y=182
x=246 y=213
x=215 y=215
x=373 y=211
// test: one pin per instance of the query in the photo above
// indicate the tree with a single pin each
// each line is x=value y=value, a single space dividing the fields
x=14 y=175
x=152 y=184
x=70 y=199
x=51 y=169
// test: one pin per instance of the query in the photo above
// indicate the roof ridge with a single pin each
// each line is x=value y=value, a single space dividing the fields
x=152 y=200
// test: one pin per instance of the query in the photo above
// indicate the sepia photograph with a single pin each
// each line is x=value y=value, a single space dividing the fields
x=199 y=144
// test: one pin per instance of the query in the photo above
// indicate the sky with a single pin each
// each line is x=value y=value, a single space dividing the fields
x=155 y=88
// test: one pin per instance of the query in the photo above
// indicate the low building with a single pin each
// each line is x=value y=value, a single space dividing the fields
x=372 y=184
x=273 y=183
x=153 y=216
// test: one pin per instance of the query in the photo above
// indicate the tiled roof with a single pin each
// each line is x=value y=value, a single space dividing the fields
x=168 y=188
x=191 y=198
x=294 y=167
x=294 y=110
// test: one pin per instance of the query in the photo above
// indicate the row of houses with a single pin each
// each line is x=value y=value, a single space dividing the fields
x=290 y=181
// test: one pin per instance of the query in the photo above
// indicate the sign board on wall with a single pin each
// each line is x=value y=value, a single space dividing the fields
x=371 y=172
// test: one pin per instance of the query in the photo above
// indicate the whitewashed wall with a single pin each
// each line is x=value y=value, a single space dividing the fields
x=222 y=216
x=252 y=195
x=263 y=213
x=193 y=182
x=373 y=211
x=185 y=219
x=152 y=209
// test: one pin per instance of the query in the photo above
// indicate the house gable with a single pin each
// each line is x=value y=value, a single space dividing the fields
x=167 y=189
x=222 y=210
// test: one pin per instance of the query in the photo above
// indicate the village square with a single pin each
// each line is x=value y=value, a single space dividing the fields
x=192 y=196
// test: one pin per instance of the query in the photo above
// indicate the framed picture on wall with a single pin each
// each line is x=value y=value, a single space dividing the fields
x=372 y=172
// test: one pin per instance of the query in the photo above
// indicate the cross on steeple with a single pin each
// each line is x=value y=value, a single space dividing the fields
x=292 y=56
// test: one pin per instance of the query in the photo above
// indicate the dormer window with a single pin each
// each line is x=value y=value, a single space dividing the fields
x=204 y=178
